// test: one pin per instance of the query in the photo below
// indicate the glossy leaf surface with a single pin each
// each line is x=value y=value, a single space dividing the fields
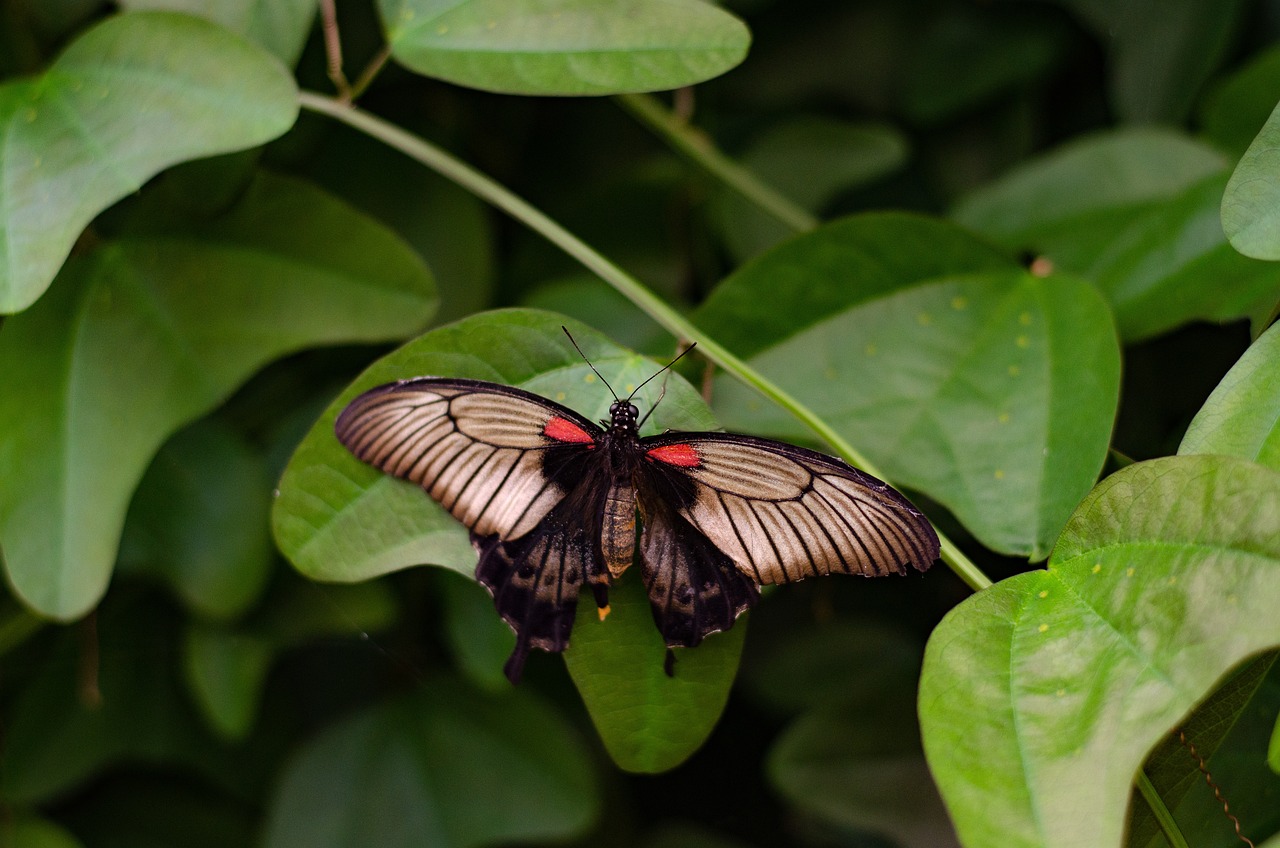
x=565 y=47
x=75 y=140
x=1042 y=696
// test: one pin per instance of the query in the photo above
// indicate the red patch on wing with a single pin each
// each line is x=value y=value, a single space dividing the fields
x=564 y=430
x=682 y=455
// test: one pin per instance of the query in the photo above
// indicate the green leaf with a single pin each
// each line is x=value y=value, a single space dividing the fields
x=966 y=55
x=280 y=26
x=1234 y=112
x=480 y=640
x=830 y=662
x=859 y=767
x=965 y=385
x=445 y=767
x=1273 y=748
x=339 y=519
x=31 y=832
x=1041 y=697
x=1087 y=186
x=1160 y=51
x=150 y=332
x=1251 y=205
x=199 y=521
x=1242 y=416
x=226 y=671
x=1136 y=212
x=77 y=139
x=649 y=722
x=811 y=161
x=565 y=47
x=71 y=720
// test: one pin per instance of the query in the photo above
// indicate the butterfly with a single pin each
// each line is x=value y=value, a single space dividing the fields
x=551 y=500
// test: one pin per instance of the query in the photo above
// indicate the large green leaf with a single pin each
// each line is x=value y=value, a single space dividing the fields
x=811 y=161
x=339 y=519
x=226 y=666
x=199 y=521
x=648 y=720
x=280 y=26
x=1242 y=416
x=565 y=46
x=992 y=391
x=1251 y=205
x=1137 y=213
x=446 y=767
x=1233 y=113
x=128 y=98
x=29 y=832
x=1041 y=697
x=1160 y=51
x=150 y=332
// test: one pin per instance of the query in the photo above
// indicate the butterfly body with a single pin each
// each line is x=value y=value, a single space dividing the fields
x=552 y=500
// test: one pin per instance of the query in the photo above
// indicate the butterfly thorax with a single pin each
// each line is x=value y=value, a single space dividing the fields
x=618 y=519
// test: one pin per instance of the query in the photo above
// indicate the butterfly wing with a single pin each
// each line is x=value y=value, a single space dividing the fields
x=520 y=471
x=782 y=513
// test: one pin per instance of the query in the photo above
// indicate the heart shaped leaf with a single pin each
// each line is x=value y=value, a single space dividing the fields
x=75 y=139
x=152 y=331
x=1041 y=697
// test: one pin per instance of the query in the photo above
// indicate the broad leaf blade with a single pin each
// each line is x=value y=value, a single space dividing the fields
x=565 y=47
x=446 y=767
x=1042 y=696
x=280 y=26
x=76 y=139
x=152 y=331
x=1242 y=416
x=1251 y=204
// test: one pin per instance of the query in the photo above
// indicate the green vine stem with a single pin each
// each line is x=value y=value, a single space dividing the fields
x=482 y=186
x=695 y=145
x=1164 y=817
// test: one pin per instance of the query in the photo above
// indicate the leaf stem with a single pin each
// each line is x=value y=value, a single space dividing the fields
x=696 y=146
x=1164 y=818
x=487 y=189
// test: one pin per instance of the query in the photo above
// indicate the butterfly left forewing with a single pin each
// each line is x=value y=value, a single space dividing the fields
x=498 y=458
x=783 y=513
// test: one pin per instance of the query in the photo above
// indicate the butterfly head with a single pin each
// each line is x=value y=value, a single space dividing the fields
x=623 y=415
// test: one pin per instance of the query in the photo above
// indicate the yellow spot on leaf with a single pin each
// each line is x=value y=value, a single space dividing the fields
x=1172 y=580
x=560 y=395
x=1044 y=627
x=442 y=29
x=1025 y=319
x=959 y=302
x=999 y=474
x=1014 y=370
x=1004 y=418
x=1044 y=593
x=589 y=378
x=924 y=319
x=870 y=349
x=30 y=115
x=1023 y=341
x=1129 y=573
x=1097 y=566
x=829 y=373
x=1061 y=692
x=491 y=25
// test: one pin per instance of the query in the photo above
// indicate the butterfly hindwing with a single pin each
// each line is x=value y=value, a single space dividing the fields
x=782 y=513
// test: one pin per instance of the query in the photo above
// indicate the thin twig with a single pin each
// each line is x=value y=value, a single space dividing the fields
x=1217 y=793
x=333 y=50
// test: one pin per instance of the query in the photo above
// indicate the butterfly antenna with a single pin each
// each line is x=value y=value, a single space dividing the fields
x=661 y=370
x=661 y=395
x=589 y=365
